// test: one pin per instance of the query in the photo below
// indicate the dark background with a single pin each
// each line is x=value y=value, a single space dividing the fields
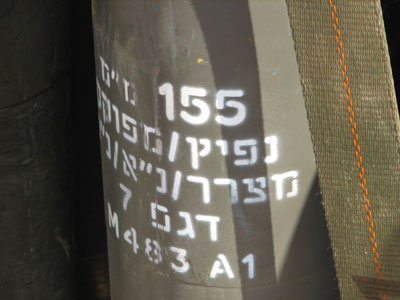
x=391 y=11
x=90 y=231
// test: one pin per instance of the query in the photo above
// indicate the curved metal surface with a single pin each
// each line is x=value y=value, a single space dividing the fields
x=209 y=176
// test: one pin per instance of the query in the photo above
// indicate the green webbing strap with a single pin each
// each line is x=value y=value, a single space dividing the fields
x=348 y=88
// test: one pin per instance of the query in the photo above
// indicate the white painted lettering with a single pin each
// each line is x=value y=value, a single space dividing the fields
x=204 y=110
x=213 y=220
x=220 y=103
x=272 y=141
x=183 y=266
x=249 y=259
x=127 y=195
x=280 y=178
x=167 y=221
x=221 y=266
x=239 y=151
x=260 y=192
x=205 y=186
x=113 y=220
x=188 y=230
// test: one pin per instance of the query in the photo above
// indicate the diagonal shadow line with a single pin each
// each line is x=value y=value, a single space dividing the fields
x=310 y=261
x=308 y=272
x=228 y=34
x=370 y=287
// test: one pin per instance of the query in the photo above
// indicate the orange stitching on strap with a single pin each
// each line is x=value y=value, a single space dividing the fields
x=356 y=144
